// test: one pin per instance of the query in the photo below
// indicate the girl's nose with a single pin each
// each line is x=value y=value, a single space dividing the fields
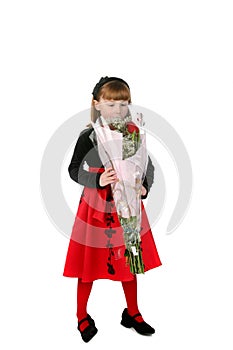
x=118 y=108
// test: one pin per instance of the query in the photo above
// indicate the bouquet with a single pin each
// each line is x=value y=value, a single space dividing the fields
x=121 y=145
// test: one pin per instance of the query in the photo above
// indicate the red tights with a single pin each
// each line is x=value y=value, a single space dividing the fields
x=84 y=291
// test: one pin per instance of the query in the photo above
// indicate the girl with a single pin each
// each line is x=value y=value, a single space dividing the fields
x=96 y=249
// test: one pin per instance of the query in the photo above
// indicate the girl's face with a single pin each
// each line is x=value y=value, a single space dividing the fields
x=110 y=109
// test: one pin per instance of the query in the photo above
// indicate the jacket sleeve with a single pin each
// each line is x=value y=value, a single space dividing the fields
x=76 y=170
x=149 y=178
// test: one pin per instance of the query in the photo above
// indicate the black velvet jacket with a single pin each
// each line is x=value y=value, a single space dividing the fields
x=86 y=153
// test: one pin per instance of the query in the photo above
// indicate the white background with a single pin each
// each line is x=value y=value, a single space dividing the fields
x=177 y=57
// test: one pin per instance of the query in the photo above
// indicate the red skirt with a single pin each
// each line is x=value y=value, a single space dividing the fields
x=96 y=248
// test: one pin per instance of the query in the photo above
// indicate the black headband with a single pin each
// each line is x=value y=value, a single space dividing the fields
x=103 y=81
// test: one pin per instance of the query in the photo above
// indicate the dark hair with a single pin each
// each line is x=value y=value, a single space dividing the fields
x=103 y=81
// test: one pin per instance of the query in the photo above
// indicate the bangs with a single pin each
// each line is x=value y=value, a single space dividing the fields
x=115 y=90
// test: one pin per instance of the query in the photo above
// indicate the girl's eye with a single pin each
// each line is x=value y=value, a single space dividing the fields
x=124 y=104
x=111 y=105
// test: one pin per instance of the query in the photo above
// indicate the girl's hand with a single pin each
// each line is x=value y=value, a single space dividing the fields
x=107 y=177
x=144 y=191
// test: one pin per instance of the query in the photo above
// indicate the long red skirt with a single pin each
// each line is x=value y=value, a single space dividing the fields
x=96 y=248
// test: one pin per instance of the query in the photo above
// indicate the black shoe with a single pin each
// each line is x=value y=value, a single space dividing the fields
x=140 y=327
x=91 y=321
x=90 y=331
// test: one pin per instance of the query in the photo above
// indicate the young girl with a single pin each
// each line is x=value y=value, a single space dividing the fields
x=96 y=249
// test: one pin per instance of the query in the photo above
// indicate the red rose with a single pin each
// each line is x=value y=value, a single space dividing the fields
x=131 y=127
x=111 y=126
